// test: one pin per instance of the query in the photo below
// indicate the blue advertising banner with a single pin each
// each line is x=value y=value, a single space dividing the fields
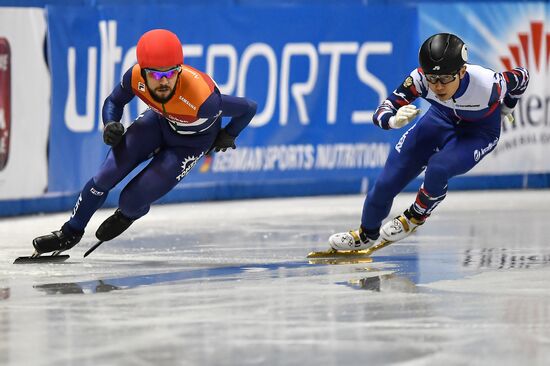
x=317 y=73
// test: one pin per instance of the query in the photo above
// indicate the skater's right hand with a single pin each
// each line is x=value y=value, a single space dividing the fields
x=112 y=133
x=223 y=142
x=403 y=116
x=506 y=114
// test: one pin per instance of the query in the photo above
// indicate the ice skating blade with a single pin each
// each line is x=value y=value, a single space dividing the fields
x=331 y=253
x=340 y=260
x=44 y=259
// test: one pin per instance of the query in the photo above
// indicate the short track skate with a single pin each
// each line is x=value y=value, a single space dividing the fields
x=55 y=257
x=348 y=254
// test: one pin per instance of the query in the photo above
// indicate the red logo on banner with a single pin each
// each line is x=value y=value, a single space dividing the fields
x=530 y=44
x=5 y=101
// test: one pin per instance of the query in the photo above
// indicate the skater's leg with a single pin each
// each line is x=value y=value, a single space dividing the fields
x=379 y=200
x=90 y=199
x=405 y=162
x=139 y=142
x=457 y=157
x=377 y=206
x=162 y=174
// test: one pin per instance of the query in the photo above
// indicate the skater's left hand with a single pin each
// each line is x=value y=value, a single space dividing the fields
x=223 y=142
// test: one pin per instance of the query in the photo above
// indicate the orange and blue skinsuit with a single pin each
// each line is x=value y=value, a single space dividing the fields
x=176 y=134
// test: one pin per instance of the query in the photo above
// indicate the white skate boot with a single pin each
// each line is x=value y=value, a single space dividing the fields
x=352 y=240
x=399 y=228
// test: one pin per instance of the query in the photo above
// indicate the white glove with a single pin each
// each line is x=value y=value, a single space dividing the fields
x=403 y=116
x=506 y=114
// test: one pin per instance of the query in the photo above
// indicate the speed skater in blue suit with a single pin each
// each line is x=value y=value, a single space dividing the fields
x=183 y=122
x=468 y=104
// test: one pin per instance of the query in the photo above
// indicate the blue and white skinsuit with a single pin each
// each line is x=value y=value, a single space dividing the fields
x=449 y=140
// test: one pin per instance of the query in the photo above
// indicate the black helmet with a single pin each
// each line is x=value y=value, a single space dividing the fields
x=442 y=54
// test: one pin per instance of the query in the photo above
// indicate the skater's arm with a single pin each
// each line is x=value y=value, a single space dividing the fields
x=516 y=81
x=113 y=107
x=241 y=111
x=411 y=88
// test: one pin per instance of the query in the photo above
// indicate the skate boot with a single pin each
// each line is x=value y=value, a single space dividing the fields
x=400 y=227
x=352 y=240
x=58 y=241
x=113 y=226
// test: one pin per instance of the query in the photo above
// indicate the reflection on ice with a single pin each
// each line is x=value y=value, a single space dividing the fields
x=398 y=264
x=384 y=283
x=76 y=288
x=129 y=282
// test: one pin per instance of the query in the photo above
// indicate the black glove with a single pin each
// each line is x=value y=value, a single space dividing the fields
x=112 y=133
x=223 y=141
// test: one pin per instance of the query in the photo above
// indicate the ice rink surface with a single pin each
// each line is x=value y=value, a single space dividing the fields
x=228 y=283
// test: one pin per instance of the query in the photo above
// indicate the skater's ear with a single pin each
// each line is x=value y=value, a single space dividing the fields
x=462 y=72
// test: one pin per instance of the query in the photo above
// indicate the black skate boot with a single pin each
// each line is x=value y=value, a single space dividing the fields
x=113 y=226
x=58 y=241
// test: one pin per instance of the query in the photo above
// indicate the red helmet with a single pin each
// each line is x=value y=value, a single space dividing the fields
x=159 y=48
